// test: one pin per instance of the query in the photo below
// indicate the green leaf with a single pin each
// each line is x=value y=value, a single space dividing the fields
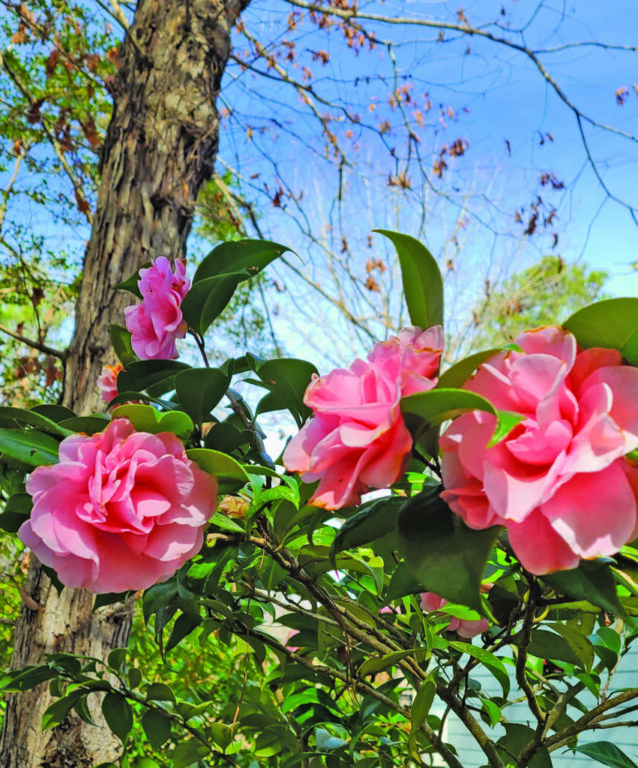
x=581 y=646
x=611 y=323
x=145 y=418
x=87 y=424
x=372 y=522
x=118 y=714
x=446 y=556
x=434 y=407
x=199 y=390
x=56 y=413
x=403 y=582
x=18 y=418
x=57 y=711
x=250 y=256
x=516 y=738
x=592 y=581
x=16 y=511
x=208 y=298
x=457 y=374
x=157 y=727
x=422 y=283
x=549 y=645
x=159 y=692
x=121 y=343
x=188 y=752
x=26 y=678
x=182 y=627
x=131 y=283
x=33 y=448
x=489 y=661
x=372 y=666
x=222 y=735
x=230 y=475
x=420 y=710
x=287 y=379
x=606 y=753
x=158 y=375
x=116 y=659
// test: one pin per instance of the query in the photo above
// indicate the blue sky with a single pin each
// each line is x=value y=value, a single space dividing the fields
x=498 y=96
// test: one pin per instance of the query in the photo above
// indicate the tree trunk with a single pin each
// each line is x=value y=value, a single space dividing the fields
x=159 y=150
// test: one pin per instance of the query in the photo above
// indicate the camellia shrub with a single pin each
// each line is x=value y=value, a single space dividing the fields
x=481 y=599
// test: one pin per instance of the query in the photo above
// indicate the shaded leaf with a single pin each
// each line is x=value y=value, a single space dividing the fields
x=422 y=283
x=446 y=556
x=372 y=522
x=592 y=581
x=121 y=342
x=118 y=714
x=199 y=390
x=158 y=375
x=157 y=727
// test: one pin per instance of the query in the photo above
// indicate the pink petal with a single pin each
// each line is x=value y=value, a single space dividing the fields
x=594 y=513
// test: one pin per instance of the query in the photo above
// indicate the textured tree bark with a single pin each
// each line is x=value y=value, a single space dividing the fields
x=159 y=150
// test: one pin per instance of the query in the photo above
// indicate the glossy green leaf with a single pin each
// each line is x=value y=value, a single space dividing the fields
x=121 y=343
x=428 y=410
x=183 y=626
x=611 y=323
x=287 y=379
x=237 y=255
x=208 y=298
x=446 y=556
x=580 y=644
x=18 y=418
x=56 y=413
x=230 y=475
x=422 y=283
x=606 y=753
x=372 y=522
x=33 y=447
x=89 y=425
x=156 y=375
x=26 y=678
x=118 y=714
x=456 y=375
x=548 y=645
x=199 y=390
x=592 y=581
x=188 y=752
x=145 y=418
x=131 y=283
x=491 y=662
x=157 y=727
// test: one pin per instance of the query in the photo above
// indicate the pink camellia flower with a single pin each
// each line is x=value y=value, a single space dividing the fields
x=558 y=482
x=107 y=381
x=357 y=438
x=463 y=627
x=157 y=322
x=121 y=510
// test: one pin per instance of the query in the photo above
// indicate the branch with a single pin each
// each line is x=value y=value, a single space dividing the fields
x=61 y=355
